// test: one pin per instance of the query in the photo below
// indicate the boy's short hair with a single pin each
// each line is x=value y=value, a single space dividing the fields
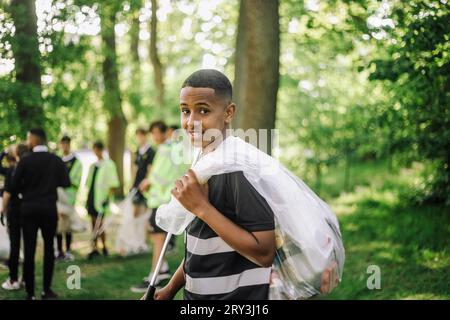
x=21 y=149
x=141 y=130
x=66 y=139
x=40 y=133
x=98 y=145
x=210 y=78
x=161 y=125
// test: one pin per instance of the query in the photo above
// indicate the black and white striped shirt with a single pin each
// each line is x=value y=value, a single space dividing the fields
x=214 y=270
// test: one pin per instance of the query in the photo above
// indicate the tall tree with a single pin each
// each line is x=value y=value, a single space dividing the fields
x=135 y=83
x=134 y=30
x=25 y=47
x=257 y=65
x=158 y=75
x=112 y=101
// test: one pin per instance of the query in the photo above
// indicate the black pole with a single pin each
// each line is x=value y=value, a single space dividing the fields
x=150 y=293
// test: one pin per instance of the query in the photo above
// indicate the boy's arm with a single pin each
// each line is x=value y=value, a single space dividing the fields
x=258 y=247
x=6 y=197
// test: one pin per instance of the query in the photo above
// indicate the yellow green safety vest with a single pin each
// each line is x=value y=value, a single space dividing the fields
x=166 y=168
x=106 y=179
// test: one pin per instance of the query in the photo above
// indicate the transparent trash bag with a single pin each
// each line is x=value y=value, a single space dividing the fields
x=63 y=205
x=309 y=242
x=4 y=237
x=131 y=236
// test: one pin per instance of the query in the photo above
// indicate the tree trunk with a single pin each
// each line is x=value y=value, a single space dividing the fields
x=239 y=65
x=25 y=48
x=257 y=66
x=111 y=98
x=135 y=83
x=134 y=35
x=156 y=63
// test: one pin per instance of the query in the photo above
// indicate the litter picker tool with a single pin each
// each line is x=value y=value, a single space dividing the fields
x=151 y=288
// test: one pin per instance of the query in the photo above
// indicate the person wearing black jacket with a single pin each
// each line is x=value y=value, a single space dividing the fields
x=11 y=206
x=144 y=159
x=37 y=177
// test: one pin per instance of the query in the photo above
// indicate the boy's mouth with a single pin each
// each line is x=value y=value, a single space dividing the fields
x=195 y=135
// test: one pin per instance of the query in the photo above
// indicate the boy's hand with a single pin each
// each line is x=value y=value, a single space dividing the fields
x=164 y=294
x=144 y=185
x=189 y=192
x=330 y=279
x=161 y=294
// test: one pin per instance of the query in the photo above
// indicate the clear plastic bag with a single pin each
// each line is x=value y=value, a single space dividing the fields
x=4 y=238
x=132 y=232
x=63 y=205
x=308 y=235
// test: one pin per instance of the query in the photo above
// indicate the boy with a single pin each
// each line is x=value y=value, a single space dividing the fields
x=230 y=245
x=102 y=180
x=75 y=169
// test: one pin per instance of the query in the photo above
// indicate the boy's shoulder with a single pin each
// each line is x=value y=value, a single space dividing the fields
x=231 y=186
x=230 y=179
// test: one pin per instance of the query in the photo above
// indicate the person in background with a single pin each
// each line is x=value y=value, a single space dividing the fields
x=37 y=177
x=102 y=180
x=173 y=133
x=159 y=182
x=11 y=209
x=143 y=162
x=75 y=169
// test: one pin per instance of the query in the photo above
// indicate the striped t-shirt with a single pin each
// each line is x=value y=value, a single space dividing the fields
x=214 y=270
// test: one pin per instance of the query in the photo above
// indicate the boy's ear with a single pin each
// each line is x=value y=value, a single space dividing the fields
x=229 y=113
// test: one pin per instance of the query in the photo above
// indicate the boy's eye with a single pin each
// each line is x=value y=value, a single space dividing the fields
x=204 y=111
x=185 y=110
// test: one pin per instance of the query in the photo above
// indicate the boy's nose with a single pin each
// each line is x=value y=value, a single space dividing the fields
x=193 y=124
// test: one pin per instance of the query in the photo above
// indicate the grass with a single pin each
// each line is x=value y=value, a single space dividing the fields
x=409 y=243
x=380 y=227
x=103 y=278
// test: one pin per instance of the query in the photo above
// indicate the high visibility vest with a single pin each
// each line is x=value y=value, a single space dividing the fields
x=105 y=179
x=167 y=167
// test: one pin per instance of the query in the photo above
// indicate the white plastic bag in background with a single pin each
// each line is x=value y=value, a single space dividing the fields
x=4 y=237
x=131 y=236
x=308 y=234
x=64 y=207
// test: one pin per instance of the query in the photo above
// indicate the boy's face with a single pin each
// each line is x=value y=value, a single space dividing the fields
x=141 y=138
x=204 y=116
x=65 y=147
x=158 y=136
x=32 y=140
x=98 y=152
